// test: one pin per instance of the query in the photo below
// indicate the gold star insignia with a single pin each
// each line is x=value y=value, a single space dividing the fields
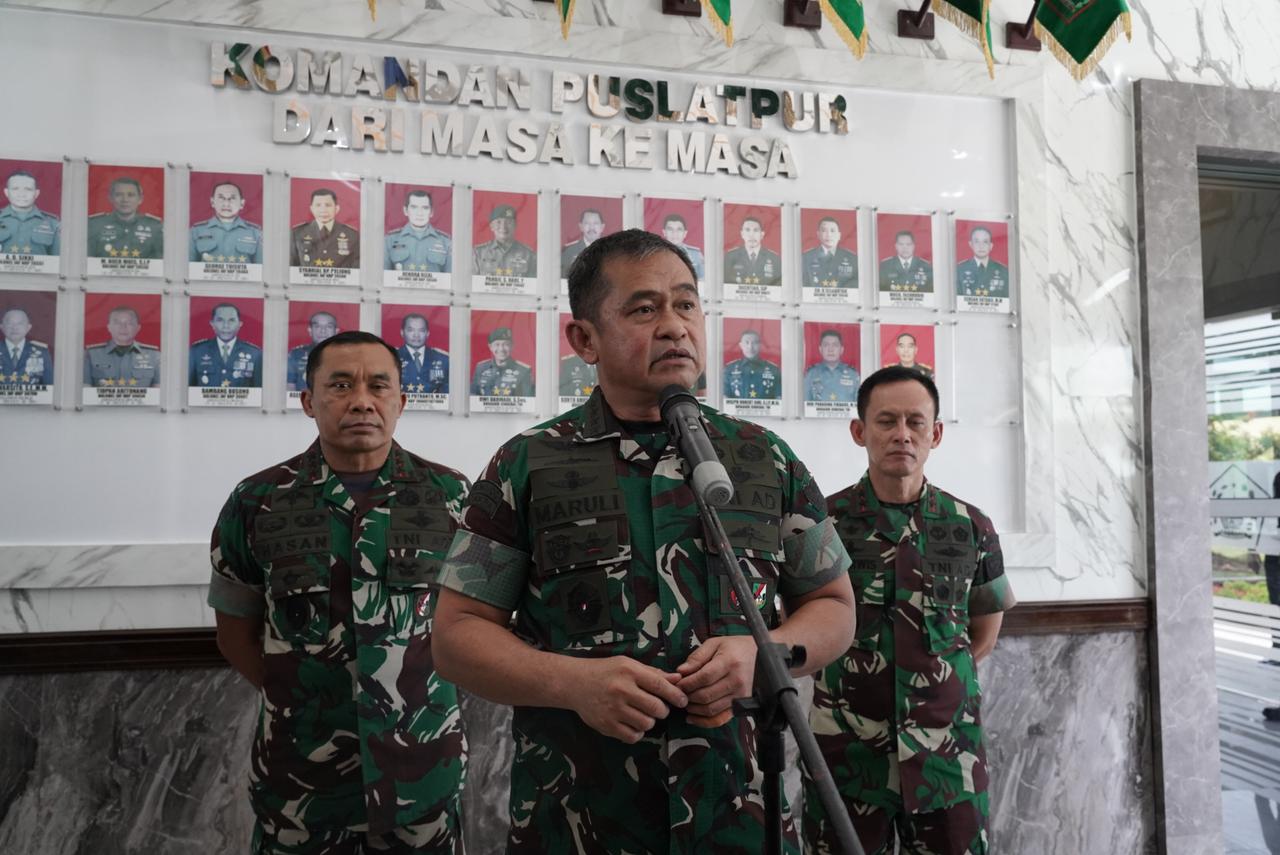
x=753 y=393
x=108 y=382
x=243 y=259
x=832 y=396
x=27 y=248
x=226 y=383
x=133 y=381
x=136 y=253
x=113 y=252
x=586 y=390
x=13 y=248
x=219 y=258
x=13 y=378
x=421 y=388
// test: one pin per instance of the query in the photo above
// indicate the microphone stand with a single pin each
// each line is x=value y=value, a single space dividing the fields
x=774 y=692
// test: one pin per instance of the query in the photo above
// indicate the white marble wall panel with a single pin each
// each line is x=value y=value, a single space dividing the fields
x=155 y=762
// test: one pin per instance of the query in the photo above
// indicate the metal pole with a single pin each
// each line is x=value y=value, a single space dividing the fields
x=924 y=10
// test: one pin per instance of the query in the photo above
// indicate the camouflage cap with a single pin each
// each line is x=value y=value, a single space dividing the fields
x=500 y=333
x=500 y=211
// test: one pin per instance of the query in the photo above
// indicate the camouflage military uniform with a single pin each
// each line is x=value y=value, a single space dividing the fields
x=591 y=535
x=356 y=729
x=897 y=716
x=513 y=258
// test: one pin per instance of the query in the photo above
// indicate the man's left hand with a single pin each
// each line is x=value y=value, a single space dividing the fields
x=720 y=670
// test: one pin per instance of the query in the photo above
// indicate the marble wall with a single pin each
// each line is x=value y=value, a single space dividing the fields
x=154 y=762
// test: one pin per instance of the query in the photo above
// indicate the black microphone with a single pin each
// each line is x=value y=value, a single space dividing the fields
x=708 y=478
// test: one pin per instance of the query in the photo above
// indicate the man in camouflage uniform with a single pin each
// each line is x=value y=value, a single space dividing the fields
x=750 y=376
x=897 y=717
x=628 y=648
x=324 y=577
x=501 y=375
x=504 y=255
x=24 y=228
x=122 y=361
x=125 y=233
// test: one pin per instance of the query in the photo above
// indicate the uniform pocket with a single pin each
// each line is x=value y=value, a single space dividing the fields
x=299 y=611
x=871 y=598
x=583 y=596
x=414 y=589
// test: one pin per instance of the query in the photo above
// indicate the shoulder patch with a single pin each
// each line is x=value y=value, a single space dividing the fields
x=485 y=496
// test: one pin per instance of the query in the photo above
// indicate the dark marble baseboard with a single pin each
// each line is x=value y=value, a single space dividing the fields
x=155 y=761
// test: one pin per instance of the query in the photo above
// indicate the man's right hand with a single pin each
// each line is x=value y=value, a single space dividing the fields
x=623 y=698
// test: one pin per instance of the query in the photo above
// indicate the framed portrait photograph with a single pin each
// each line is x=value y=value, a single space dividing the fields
x=829 y=255
x=420 y=335
x=752 y=373
x=122 y=335
x=832 y=369
x=29 y=324
x=125 y=232
x=504 y=236
x=982 y=266
x=324 y=230
x=224 y=360
x=504 y=353
x=752 y=268
x=225 y=239
x=311 y=322
x=577 y=378
x=417 y=236
x=681 y=222
x=910 y=346
x=904 y=247
x=583 y=221
x=31 y=216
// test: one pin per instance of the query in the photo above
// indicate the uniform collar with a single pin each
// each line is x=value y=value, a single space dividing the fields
x=398 y=468
x=234 y=224
x=599 y=422
x=865 y=502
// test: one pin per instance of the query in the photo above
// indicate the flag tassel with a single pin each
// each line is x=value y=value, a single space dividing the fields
x=856 y=43
x=1080 y=70
x=968 y=25
x=723 y=26
x=566 y=16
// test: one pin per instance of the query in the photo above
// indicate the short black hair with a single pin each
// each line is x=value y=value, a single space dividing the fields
x=973 y=231
x=407 y=196
x=751 y=218
x=833 y=333
x=125 y=180
x=214 y=311
x=674 y=218
x=903 y=335
x=897 y=374
x=586 y=211
x=348 y=337
x=905 y=233
x=587 y=284
x=215 y=187
x=831 y=220
x=20 y=173
x=404 y=322
x=325 y=191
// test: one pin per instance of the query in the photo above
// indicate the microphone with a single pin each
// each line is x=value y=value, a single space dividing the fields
x=709 y=480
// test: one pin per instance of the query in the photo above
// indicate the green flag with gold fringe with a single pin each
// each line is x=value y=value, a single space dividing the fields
x=718 y=12
x=974 y=18
x=565 y=8
x=849 y=20
x=1080 y=32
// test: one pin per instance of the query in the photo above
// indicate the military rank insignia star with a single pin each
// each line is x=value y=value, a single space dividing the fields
x=133 y=381
x=26 y=248
x=108 y=382
x=136 y=253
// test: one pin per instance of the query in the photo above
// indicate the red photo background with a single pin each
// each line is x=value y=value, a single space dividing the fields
x=851 y=333
x=346 y=189
x=250 y=315
x=393 y=218
x=524 y=336
x=48 y=176
x=526 y=205
x=847 y=220
x=889 y=343
x=97 y=308
x=770 y=216
x=770 y=330
x=656 y=210
x=888 y=226
x=41 y=308
x=571 y=208
x=202 y=184
x=437 y=324
x=999 y=240
x=300 y=312
x=151 y=178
